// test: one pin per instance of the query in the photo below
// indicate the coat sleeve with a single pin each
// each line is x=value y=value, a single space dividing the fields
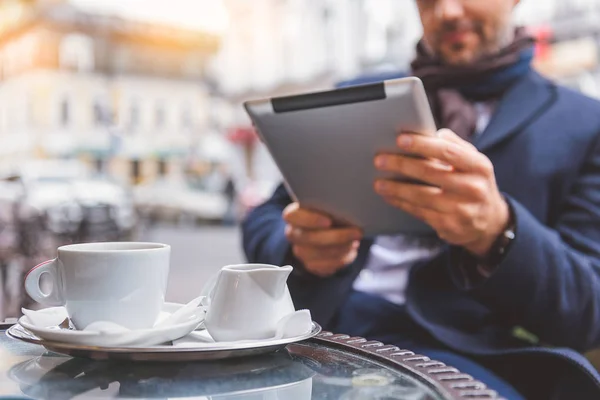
x=549 y=280
x=264 y=238
x=263 y=231
x=265 y=242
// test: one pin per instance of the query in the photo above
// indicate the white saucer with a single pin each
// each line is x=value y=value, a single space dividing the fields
x=134 y=338
x=193 y=347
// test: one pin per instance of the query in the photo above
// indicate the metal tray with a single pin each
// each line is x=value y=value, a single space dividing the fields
x=161 y=353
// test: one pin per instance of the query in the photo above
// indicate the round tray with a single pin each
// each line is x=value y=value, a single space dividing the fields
x=162 y=353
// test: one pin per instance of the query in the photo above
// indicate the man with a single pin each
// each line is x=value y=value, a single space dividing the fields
x=512 y=280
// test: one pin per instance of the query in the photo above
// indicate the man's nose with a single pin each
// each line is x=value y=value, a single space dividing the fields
x=449 y=9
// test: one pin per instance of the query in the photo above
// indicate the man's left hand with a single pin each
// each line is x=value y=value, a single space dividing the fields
x=463 y=203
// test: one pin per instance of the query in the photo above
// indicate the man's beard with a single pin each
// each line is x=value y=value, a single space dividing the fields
x=491 y=40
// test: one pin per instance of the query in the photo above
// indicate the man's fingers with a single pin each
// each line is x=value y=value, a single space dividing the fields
x=447 y=134
x=432 y=198
x=461 y=156
x=325 y=268
x=322 y=238
x=311 y=253
x=303 y=218
x=424 y=170
x=423 y=214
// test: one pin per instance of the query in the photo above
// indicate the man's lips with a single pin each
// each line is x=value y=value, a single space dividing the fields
x=455 y=36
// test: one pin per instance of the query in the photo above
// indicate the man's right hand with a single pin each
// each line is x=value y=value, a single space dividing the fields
x=322 y=249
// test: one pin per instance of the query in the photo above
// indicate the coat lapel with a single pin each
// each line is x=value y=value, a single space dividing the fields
x=521 y=105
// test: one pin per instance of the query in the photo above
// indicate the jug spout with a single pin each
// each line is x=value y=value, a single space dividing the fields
x=272 y=281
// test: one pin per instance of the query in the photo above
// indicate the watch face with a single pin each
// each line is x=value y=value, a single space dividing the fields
x=500 y=247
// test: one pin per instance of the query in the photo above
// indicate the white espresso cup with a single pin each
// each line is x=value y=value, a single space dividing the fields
x=121 y=282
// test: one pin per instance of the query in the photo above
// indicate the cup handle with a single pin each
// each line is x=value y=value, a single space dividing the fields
x=208 y=290
x=32 y=284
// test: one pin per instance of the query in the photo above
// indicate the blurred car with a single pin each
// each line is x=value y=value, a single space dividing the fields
x=11 y=193
x=175 y=198
x=75 y=203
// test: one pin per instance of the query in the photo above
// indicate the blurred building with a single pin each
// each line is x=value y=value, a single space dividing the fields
x=274 y=46
x=279 y=47
x=128 y=96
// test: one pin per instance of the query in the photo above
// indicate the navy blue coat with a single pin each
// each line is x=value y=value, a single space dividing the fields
x=544 y=143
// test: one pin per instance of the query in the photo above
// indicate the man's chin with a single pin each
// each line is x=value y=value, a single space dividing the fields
x=458 y=58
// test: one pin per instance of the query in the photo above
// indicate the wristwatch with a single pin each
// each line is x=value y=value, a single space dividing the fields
x=501 y=244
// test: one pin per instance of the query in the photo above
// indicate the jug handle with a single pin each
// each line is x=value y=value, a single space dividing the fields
x=208 y=290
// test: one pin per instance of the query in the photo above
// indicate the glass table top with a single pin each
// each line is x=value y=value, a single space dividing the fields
x=308 y=370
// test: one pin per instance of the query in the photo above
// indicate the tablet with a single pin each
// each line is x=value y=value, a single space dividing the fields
x=324 y=144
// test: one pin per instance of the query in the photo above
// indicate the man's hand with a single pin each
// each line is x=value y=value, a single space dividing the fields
x=322 y=249
x=463 y=204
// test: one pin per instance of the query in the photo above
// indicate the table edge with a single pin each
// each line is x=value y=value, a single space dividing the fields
x=454 y=384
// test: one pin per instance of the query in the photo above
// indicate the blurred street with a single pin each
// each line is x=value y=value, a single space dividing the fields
x=196 y=253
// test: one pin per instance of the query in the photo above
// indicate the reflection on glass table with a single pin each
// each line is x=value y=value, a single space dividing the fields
x=308 y=370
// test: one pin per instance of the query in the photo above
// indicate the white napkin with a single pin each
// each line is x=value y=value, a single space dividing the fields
x=164 y=319
x=50 y=317
x=105 y=333
x=293 y=325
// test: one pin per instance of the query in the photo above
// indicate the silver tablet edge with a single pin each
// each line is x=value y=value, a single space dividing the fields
x=261 y=107
x=394 y=87
x=399 y=87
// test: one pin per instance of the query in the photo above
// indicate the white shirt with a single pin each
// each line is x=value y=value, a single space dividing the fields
x=391 y=257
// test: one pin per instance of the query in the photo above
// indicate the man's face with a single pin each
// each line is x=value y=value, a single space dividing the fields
x=463 y=31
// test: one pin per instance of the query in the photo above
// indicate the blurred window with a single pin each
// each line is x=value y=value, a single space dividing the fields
x=134 y=114
x=101 y=111
x=3 y=66
x=65 y=112
x=121 y=58
x=136 y=170
x=159 y=115
x=186 y=116
x=379 y=18
x=99 y=164
x=23 y=114
x=3 y=116
x=77 y=52
x=98 y=113
x=162 y=167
